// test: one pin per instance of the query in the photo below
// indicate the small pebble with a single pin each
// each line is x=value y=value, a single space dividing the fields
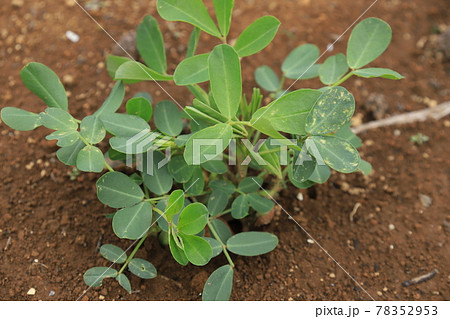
x=72 y=36
x=379 y=293
x=300 y=196
x=332 y=275
x=51 y=293
x=397 y=132
x=391 y=247
x=310 y=241
x=391 y=226
x=425 y=200
x=31 y=292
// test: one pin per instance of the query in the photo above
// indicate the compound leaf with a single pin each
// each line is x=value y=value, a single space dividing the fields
x=93 y=277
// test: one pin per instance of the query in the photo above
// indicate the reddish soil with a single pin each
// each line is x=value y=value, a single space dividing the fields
x=50 y=225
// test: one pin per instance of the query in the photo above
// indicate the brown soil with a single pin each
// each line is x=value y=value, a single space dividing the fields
x=50 y=225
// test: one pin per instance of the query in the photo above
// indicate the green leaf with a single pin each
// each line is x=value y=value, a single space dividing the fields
x=303 y=185
x=257 y=36
x=141 y=107
x=289 y=113
x=124 y=282
x=250 y=184
x=368 y=40
x=90 y=159
x=92 y=130
x=225 y=79
x=196 y=184
x=150 y=44
x=145 y=95
x=332 y=110
x=337 y=153
x=302 y=167
x=300 y=61
x=267 y=79
x=142 y=268
x=117 y=190
x=180 y=170
x=193 y=219
x=219 y=285
x=159 y=181
x=113 y=253
x=68 y=155
x=113 y=62
x=215 y=167
x=252 y=243
x=135 y=71
x=190 y=11
x=215 y=245
x=193 y=42
x=378 y=73
x=198 y=251
x=58 y=119
x=272 y=160
x=347 y=134
x=65 y=138
x=93 y=277
x=207 y=144
x=114 y=100
x=133 y=222
x=168 y=118
x=175 y=204
x=263 y=123
x=43 y=82
x=365 y=167
x=177 y=253
x=223 y=186
x=138 y=144
x=333 y=69
x=223 y=231
x=217 y=202
x=321 y=174
x=19 y=119
x=192 y=70
x=240 y=207
x=260 y=204
x=123 y=124
x=224 y=10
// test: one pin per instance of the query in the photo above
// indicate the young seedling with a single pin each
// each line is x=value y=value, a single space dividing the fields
x=200 y=167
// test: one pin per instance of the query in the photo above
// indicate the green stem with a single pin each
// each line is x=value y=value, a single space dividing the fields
x=224 y=247
x=84 y=140
x=134 y=252
x=109 y=167
x=342 y=80
x=283 y=78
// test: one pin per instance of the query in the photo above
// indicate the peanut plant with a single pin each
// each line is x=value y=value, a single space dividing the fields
x=222 y=157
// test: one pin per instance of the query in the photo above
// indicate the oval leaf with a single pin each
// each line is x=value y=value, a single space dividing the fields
x=168 y=118
x=117 y=190
x=223 y=186
x=65 y=138
x=250 y=184
x=180 y=170
x=175 y=204
x=93 y=277
x=43 y=82
x=260 y=204
x=300 y=62
x=68 y=155
x=215 y=167
x=333 y=69
x=252 y=243
x=192 y=11
x=142 y=268
x=267 y=79
x=19 y=119
x=114 y=100
x=217 y=202
x=123 y=124
x=90 y=159
x=368 y=40
x=198 y=251
x=240 y=207
x=177 y=253
x=207 y=144
x=137 y=72
x=333 y=109
x=196 y=184
x=219 y=285
x=113 y=253
x=378 y=73
x=223 y=9
x=257 y=36
x=192 y=70
x=150 y=44
x=141 y=107
x=337 y=153
x=124 y=282
x=92 y=130
x=58 y=119
x=157 y=179
x=225 y=79
x=133 y=222
x=321 y=174
x=193 y=219
x=222 y=229
x=215 y=245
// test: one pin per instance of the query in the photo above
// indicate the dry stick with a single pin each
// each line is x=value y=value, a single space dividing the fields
x=435 y=113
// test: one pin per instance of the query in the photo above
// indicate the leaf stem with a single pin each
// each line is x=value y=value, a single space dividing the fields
x=109 y=167
x=134 y=252
x=224 y=247
x=342 y=80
